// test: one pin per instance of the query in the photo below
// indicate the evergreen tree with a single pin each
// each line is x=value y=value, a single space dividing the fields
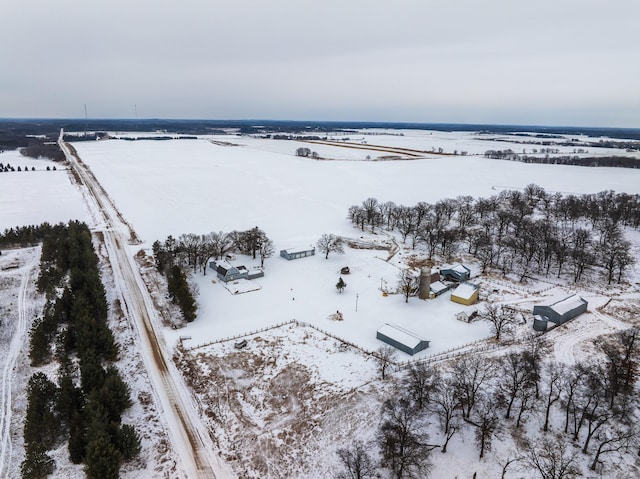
x=39 y=351
x=102 y=459
x=37 y=464
x=77 y=437
x=68 y=400
x=128 y=442
x=92 y=374
x=115 y=395
x=41 y=424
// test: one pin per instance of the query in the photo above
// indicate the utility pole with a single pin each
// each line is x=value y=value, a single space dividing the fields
x=86 y=120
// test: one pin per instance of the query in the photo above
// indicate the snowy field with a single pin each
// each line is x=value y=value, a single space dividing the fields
x=295 y=200
x=33 y=197
x=295 y=395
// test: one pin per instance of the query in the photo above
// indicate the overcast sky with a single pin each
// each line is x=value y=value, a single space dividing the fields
x=544 y=62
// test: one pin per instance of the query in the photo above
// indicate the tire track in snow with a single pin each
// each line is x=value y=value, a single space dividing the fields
x=15 y=349
x=569 y=336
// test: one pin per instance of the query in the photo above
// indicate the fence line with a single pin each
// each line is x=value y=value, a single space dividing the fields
x=477 y=346
x=242 y=335
x=337 y=338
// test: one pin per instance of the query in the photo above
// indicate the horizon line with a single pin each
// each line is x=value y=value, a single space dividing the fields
x=337 y=122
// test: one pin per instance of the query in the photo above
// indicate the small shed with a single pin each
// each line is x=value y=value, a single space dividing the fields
x=438 y=288
x=467 y=316
x=455 y=272
x=295 y=253
x=466 y=293
x=401 y=339
x=561 y=311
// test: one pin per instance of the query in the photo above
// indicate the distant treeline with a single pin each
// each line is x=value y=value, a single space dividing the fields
x=202 y=127
x=621 y=145
x=43 y=146
x=38 y=149
x=575 y=160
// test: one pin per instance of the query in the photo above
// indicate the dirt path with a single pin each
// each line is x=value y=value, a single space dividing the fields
x=15 y=349
x=387 y=149
x=189 y=438
x=569 y=337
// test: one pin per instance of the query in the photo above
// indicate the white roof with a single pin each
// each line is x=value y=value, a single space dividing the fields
x=465 y=290
x=225 y=264
x=298 y=250
x=401 y=335
x=567 y=304
x=456 y=267
x=438 y=286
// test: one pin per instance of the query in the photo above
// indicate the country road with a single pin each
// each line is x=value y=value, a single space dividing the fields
x=189 y=437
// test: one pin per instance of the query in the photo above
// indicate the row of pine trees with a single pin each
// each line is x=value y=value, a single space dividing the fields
x=83 y=405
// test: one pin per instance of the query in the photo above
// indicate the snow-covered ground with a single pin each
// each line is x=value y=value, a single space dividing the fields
x=33 y=197
x=194 y=186
x=197 y=186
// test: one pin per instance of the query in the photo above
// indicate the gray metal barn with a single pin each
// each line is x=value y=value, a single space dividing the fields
x=295 y=253
x=559 y=312
x=401 y=339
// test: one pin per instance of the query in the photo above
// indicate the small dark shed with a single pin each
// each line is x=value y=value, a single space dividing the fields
x=455 y=272
x=401 y=339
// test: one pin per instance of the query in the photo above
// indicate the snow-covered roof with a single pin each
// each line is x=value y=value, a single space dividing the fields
x=460 y=268
x=298 y=249
x=438 y=286
x=224 y=264
x=568 y=304
x=465 y=290
x=401 y=335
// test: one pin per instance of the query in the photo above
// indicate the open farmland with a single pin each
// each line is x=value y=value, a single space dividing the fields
x=277 y=408
x=194 y=186
x=213 y=186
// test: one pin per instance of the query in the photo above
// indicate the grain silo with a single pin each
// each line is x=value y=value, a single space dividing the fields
x=425 y=283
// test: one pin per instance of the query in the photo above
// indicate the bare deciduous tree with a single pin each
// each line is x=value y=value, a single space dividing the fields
x=554 y=380
x=515 y=376
x=486 y=421
x=446 y=406
x=408 y=283
x=402 y=438
x=266 y=250
x=385 y=355
x=221 y=244
x=356 y=462
x=552 y=459
x=421 y=381
x=615 y=438
x=330 y=243
x=470 y=375
x=501 y=318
